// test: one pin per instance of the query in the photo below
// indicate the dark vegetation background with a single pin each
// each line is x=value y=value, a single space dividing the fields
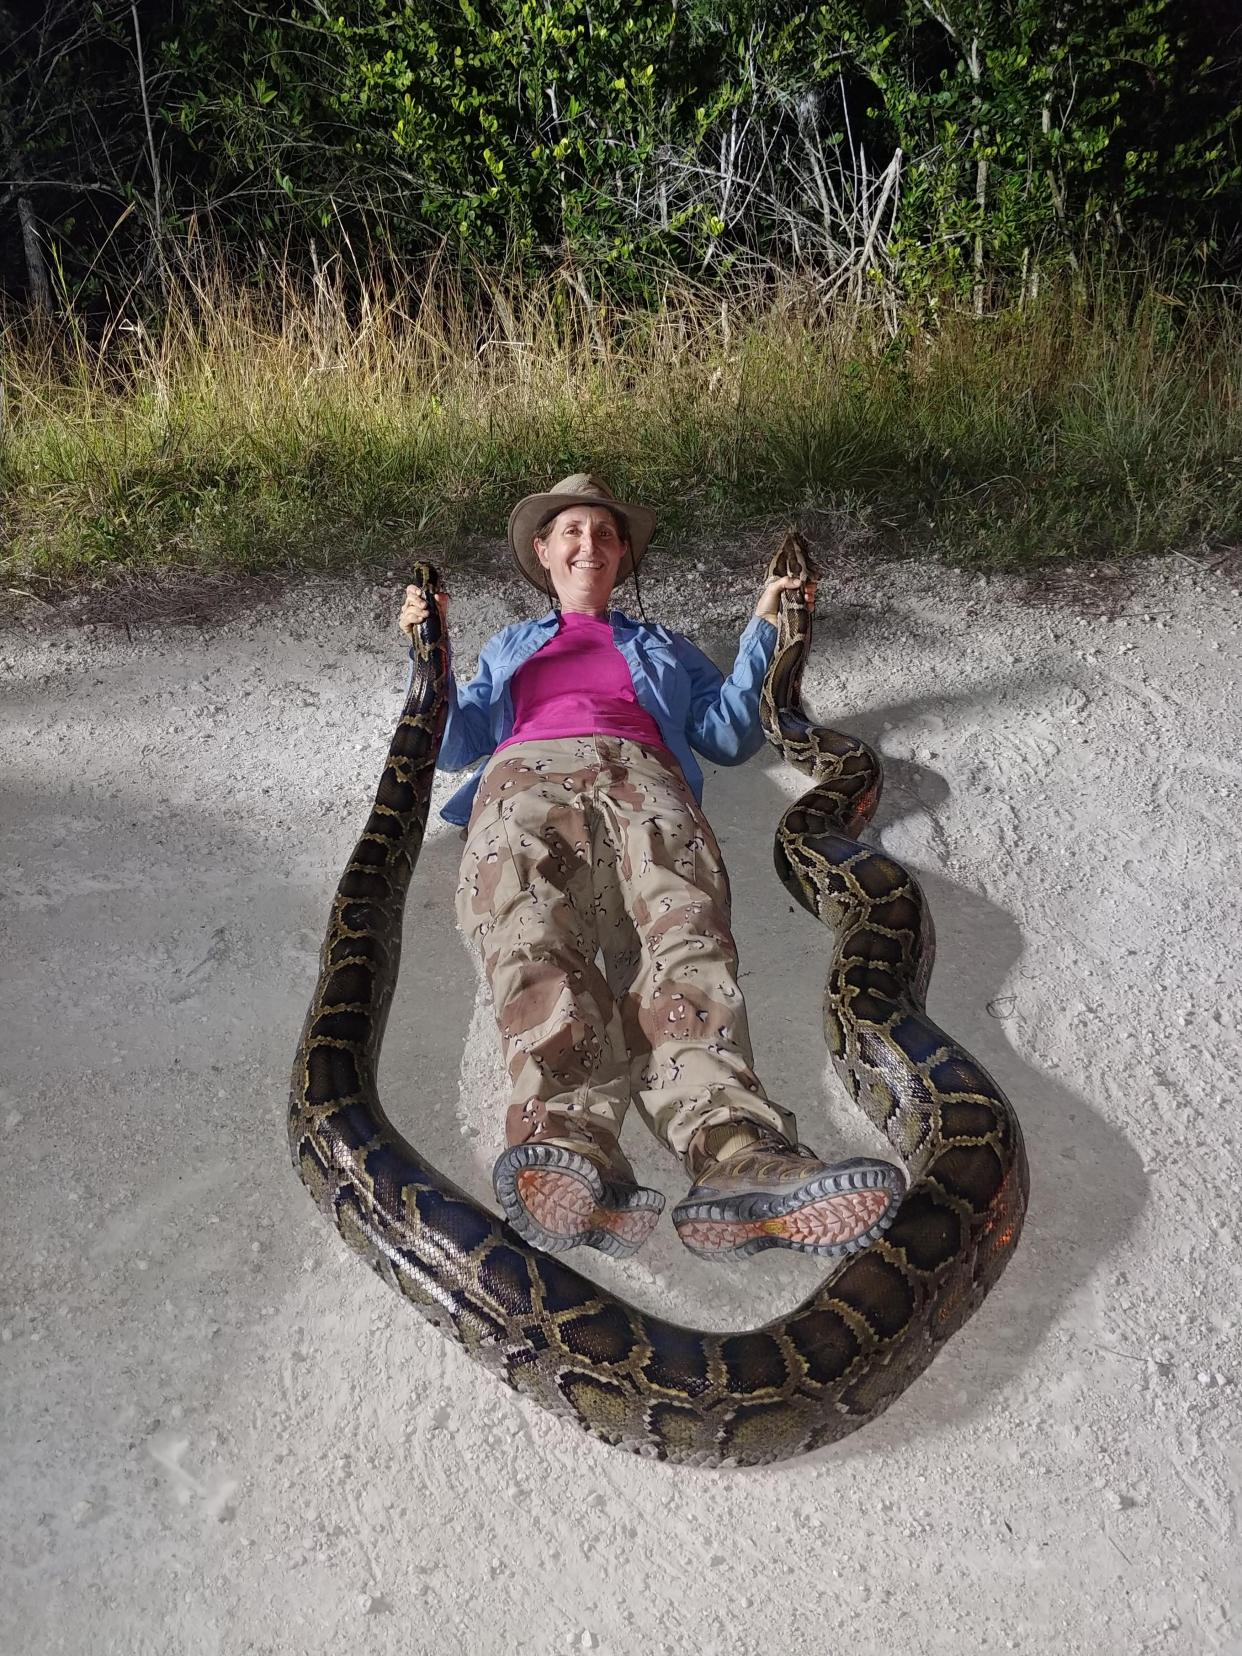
x=969 y=146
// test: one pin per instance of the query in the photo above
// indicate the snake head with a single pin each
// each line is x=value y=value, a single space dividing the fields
x=793 y=557
x=431 y=633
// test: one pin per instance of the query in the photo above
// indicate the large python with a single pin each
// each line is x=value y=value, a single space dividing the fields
x=804 y=1379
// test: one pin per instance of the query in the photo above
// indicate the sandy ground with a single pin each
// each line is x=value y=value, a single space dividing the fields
x=222 y=1434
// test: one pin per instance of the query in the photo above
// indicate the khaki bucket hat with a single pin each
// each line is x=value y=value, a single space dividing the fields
x=580 y=489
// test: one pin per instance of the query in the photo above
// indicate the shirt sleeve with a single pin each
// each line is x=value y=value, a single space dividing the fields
x=723 y=721
x=468 y=728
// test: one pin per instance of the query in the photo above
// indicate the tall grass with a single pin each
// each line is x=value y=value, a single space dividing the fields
x=315 y=428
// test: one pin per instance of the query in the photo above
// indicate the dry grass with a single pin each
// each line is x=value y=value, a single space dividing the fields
x=315 y=427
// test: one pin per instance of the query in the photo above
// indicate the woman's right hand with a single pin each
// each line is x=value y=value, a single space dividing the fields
x=414 y=610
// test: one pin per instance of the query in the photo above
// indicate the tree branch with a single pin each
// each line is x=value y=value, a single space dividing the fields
x=155 y=166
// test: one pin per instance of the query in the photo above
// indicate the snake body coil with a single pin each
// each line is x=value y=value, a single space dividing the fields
x=804 y=1379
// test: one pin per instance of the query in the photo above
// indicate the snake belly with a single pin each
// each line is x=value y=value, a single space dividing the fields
x=809 y=1376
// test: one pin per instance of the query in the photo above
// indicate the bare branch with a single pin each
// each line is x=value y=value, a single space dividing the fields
x=155 y=166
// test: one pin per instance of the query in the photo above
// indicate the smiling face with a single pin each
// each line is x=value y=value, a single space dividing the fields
x=582 y=549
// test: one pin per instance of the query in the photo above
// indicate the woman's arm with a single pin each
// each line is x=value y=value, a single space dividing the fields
x=723 y=723
x=468 y=729
x=723 y=720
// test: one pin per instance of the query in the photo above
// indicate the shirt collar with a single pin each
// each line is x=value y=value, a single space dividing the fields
x=618 y=618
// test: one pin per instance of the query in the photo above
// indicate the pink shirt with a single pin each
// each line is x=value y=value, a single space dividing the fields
x=578 y=684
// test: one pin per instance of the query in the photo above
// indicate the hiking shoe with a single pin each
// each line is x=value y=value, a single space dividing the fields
x=561 y=1193
x=770 y=1193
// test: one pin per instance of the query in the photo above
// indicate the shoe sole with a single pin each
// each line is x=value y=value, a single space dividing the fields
x=557 y=1199
x=832 y=1215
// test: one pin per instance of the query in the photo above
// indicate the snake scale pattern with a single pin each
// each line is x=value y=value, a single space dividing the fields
x=811 y=1375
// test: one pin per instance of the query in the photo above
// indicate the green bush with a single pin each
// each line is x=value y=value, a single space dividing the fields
x=637 y=133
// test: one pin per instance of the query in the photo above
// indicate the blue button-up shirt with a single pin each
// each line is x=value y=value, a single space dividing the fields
x=695 y=706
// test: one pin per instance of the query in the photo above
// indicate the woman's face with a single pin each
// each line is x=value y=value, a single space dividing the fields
x=582 y=549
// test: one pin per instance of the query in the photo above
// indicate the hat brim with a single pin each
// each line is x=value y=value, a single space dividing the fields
x=526 y=516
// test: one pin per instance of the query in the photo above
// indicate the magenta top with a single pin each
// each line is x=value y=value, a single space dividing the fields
x=578 y=684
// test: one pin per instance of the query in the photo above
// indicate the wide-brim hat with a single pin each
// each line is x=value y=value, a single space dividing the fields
x=581 y=489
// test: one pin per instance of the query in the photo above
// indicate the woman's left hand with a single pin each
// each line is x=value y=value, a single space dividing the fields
x=769 y=605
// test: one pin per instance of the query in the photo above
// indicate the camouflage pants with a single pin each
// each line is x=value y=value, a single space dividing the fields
x=589 y=846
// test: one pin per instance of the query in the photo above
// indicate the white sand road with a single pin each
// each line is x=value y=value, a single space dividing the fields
x=221 y=1434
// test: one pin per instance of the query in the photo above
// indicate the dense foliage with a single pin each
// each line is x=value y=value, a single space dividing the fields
x=916 y=145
